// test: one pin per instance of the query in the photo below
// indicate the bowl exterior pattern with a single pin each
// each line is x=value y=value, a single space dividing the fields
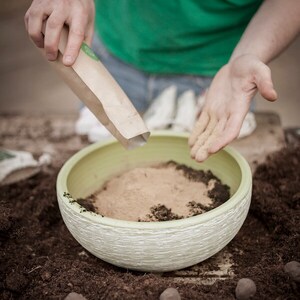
x=155 y=249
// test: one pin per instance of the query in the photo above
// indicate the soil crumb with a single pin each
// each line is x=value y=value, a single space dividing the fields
x=163 y=192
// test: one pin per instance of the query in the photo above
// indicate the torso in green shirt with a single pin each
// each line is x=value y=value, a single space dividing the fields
x=173 y=36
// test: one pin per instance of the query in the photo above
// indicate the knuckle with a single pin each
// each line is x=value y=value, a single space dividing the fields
x=53 y=23
x=33 y=12
x=77 y=31
x=83 y=13
x=62 y=3
x=61 y=6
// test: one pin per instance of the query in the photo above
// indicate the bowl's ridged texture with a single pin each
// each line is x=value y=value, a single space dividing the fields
x=159 y=246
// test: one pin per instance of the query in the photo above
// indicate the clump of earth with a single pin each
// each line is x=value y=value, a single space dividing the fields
x=168 y=191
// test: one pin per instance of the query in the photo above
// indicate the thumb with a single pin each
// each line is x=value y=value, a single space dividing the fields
x=264 y=82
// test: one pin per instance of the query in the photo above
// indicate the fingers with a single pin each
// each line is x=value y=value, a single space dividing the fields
x=89 y=34
x=200 y=126
x=53 y=29
x=33 y=23
x=204 y=151
x=75 y=38
x=217 y=134
x=264 y=82
x=90 y=25
x=230 y=132
x=267 y=90
x=78 y=15
x=204 y=136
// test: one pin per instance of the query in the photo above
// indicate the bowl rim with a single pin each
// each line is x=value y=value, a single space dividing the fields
x=244 y=188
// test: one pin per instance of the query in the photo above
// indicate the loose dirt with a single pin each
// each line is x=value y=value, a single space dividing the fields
x=39 y=259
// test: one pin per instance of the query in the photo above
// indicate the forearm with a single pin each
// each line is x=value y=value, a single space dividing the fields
x=271 y=30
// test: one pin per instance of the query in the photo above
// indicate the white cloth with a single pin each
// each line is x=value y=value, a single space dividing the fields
x=161 y=112
x=248 y=126
x=185 y=116
x=88 y=124
x=165 y=112
x=85 y=121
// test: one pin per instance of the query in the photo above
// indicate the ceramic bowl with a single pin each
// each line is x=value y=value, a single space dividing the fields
x=152 y=246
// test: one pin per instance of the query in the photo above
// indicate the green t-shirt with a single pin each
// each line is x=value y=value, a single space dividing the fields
x=173 y=36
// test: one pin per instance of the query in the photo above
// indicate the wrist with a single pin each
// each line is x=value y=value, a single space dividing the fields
x=247 y=55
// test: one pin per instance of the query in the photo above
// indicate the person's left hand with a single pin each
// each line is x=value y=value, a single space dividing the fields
x=227 y=103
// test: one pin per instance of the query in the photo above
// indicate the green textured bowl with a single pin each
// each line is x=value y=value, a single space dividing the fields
x=152 y=246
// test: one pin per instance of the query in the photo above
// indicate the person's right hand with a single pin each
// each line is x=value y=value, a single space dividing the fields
x=77 y=14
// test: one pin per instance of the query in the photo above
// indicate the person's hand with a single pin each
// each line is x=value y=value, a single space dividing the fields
x=227 y=103
x=77 y=14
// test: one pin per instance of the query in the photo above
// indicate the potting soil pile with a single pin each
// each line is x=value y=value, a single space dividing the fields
x=168 y=191
x=39 y=259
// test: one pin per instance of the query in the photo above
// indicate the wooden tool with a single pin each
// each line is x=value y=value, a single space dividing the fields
x=98 y=90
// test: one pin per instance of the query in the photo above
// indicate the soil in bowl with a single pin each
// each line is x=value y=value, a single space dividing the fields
x=163 y=192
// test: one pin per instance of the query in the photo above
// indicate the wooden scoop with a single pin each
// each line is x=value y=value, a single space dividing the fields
x=98 y=90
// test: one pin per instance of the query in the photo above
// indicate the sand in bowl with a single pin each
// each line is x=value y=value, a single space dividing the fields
x=163 y=192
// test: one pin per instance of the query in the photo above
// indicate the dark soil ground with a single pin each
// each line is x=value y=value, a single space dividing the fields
x=41 y=260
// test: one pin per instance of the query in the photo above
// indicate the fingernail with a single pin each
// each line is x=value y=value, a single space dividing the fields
x=68 y=59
